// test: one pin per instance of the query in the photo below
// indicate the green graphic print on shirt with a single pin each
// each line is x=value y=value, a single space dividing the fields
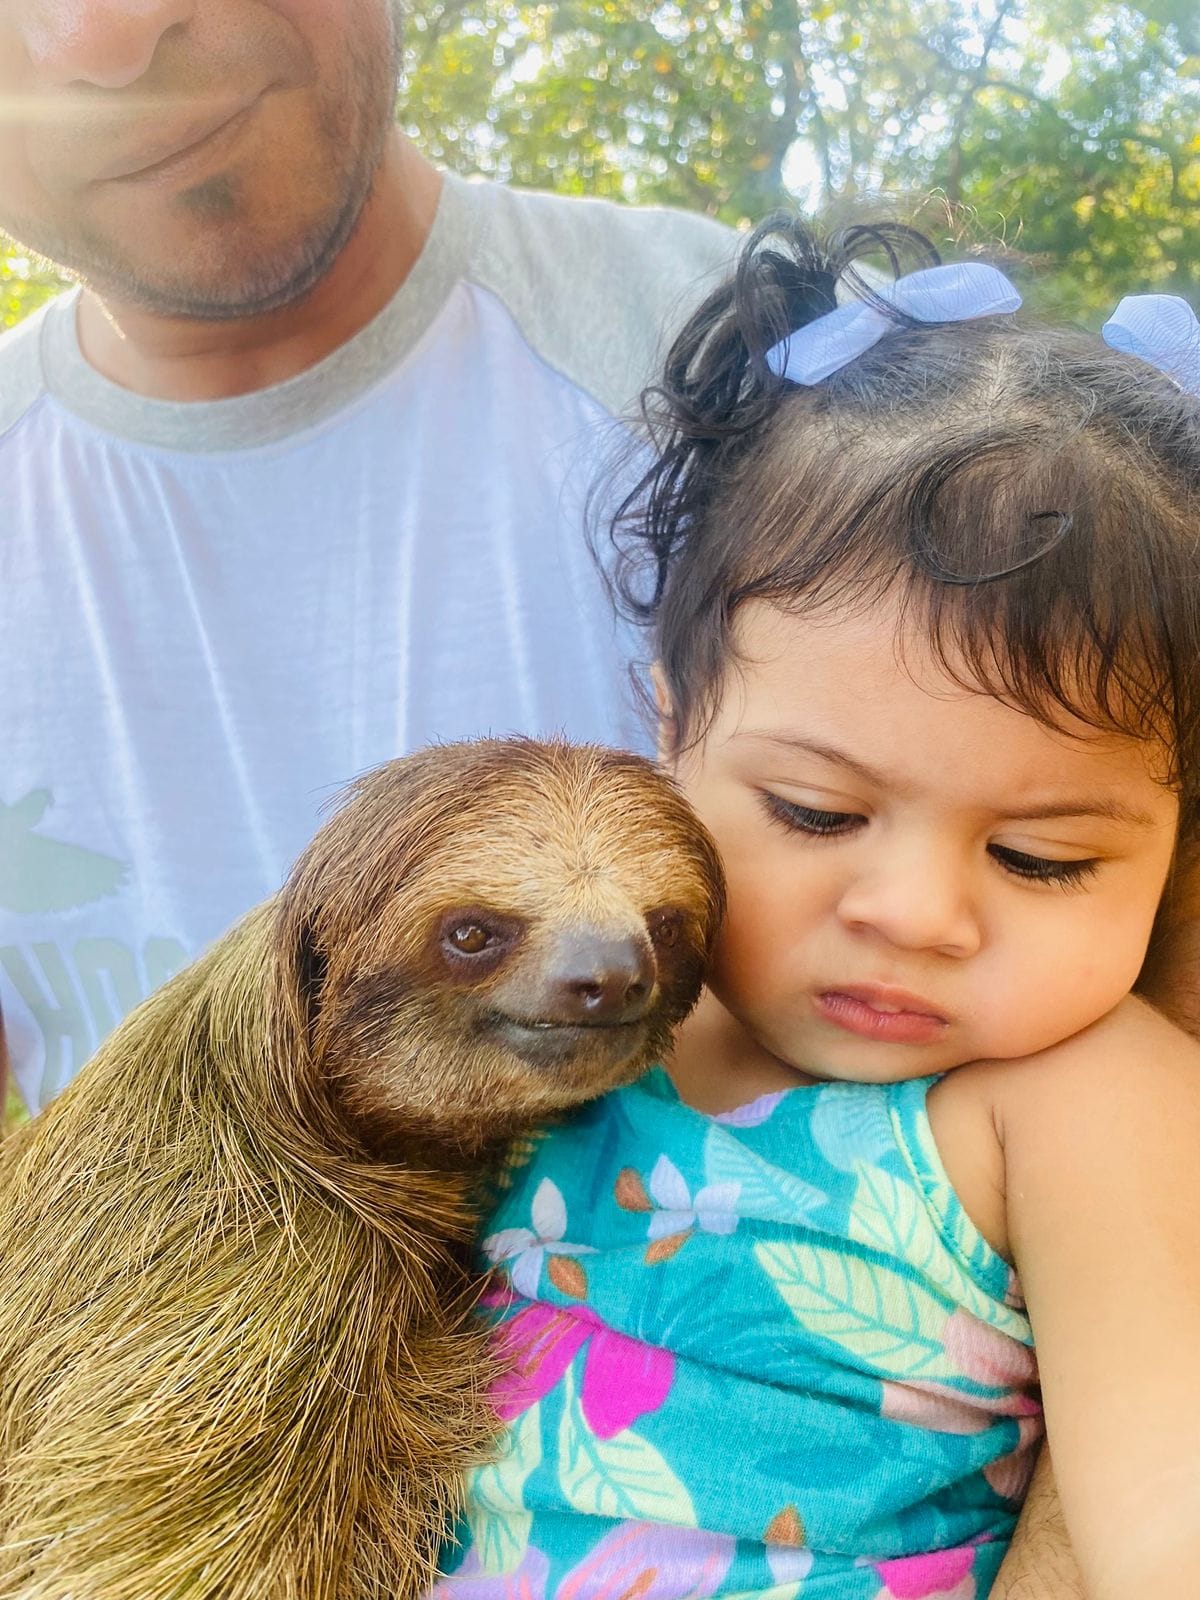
x=759 y=1354
x=72 y=986
x=42 y=874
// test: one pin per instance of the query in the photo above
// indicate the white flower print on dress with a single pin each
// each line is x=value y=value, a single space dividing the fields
x=713 y=1210
x=523 y=1250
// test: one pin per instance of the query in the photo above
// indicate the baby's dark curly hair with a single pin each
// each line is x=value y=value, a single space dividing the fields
x=1030 y=496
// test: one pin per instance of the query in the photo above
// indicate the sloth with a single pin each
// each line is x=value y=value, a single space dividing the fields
x=239 y=1356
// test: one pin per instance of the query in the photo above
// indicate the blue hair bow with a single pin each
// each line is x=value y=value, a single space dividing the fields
x=956 y=292
x=1162 y=329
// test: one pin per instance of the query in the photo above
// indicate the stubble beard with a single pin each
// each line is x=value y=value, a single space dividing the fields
x=355 y=120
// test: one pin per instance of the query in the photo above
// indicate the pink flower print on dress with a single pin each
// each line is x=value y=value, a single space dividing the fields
x=523 y=1250
x=987 y=1356
x=935 y=1406
x=651 y=1561
x=940 y=1575
x=1009 y=1477
x=944 y=1409
x=992 y=1358
x=536 y=1347
x=623 y=1379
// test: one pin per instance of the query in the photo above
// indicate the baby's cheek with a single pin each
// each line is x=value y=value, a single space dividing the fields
x=1079 y=970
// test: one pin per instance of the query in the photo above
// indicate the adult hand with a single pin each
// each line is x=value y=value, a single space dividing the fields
x=1040 y=1564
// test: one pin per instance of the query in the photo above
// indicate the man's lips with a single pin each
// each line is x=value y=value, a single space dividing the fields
x=878 y=1011
x=167 y=150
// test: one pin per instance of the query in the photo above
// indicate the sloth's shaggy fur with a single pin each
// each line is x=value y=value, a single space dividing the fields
x=237 y=1353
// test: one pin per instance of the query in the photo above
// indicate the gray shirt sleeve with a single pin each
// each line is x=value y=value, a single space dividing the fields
x=597 y=289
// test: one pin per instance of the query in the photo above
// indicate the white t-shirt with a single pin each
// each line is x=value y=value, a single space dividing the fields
x=216 y=614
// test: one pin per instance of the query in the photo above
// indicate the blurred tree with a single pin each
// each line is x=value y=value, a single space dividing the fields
x=13 y=1111
x=1099 y=167
x=1071 y=131
x=24 y=283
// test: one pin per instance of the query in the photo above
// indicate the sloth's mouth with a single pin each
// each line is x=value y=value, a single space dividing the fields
x=545 y=1042
x=548 y=1025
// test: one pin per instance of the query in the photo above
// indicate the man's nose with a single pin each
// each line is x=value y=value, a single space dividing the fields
x=107 y=43
x=918 y=899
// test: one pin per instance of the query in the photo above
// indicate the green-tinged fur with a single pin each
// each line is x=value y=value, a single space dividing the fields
x=273 y=1341
x=238 y=1359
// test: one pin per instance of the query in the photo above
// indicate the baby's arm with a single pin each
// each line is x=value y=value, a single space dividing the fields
x=1100 y=1144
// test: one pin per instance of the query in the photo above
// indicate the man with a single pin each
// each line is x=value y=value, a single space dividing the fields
x=295 y=483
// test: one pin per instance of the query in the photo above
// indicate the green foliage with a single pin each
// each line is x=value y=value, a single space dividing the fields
x=15 y=1112
x=25 y=283
x=1071 y=131
x=1102 y=176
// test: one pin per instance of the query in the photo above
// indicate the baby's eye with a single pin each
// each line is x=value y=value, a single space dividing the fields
x=1040 y=869
x=808 y=819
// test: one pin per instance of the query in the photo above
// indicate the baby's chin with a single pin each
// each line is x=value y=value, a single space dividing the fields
x=872 y=1063
x=874 y=1072
x=823 y=1053
x=862 y=1061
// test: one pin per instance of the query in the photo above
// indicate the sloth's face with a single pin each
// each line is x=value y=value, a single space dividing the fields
x=537 y=946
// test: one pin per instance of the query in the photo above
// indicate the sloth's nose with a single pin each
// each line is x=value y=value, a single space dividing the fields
x=595 y=978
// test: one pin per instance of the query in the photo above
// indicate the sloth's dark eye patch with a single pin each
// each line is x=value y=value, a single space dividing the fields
x=472 y=941
x=665 y=927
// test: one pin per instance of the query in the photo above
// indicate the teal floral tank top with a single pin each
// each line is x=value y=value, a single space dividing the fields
x=764 y=1353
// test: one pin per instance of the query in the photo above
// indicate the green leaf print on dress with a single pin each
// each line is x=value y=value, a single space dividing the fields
x=914 y=1136
x=792 y=1400
x=887 y=1322
x=765 y=1192
x=619 y=1477
x=496 y=1513
x=888 y=1215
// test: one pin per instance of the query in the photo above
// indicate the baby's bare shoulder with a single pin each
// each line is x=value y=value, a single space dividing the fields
x=1129 y=1076
x=1124 y=1056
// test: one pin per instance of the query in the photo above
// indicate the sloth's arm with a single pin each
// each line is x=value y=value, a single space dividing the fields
x=239 y=1413
x=215 y=1380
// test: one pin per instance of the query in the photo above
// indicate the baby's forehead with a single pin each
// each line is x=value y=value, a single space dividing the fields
x=866 y=691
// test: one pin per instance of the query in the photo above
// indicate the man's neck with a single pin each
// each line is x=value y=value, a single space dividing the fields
x=168 y=358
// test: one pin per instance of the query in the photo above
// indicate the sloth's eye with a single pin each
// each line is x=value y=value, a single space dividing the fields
x=664 y=929
x=472 y=941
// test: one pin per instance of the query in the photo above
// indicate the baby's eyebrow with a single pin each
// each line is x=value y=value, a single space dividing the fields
x=814 y=747
x=1110 y=810
x=1107 y=808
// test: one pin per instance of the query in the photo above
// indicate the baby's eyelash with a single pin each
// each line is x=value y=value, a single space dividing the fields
x=818 y=824
x=1039 y=869
x=808 y=819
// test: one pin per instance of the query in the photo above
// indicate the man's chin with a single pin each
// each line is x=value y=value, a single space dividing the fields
x=231 y=277
x=222 y=251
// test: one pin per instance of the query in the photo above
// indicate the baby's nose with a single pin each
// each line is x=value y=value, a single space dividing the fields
x=915 y=904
